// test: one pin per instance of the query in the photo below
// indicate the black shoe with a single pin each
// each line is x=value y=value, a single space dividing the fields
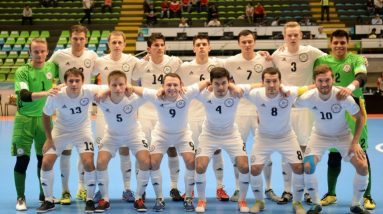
x=89 y=206
x=358 y=210
x=308 y=199
x=175 y=195
x=314 y=209
x=285 y=198
x=45 y=207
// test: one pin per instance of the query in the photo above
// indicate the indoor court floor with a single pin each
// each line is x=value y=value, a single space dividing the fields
x=344 y=188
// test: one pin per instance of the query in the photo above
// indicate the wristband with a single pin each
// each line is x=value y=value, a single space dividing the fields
x=351 y=87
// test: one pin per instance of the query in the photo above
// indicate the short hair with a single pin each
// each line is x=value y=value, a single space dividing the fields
x=75 y=72
x=152 y=38
x=219 y=72
x=322 y=69
x=271 y=71
x=339 y=33
x=38 y=40
x=291 y=25
x=117 y=33
x=245 y=33
x=172 y=75
x=201 y=36
x=116 y=73
x=78 y=29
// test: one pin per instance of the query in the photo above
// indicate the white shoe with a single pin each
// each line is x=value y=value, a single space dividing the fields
x=242 y=207
x=21 y=205
x=201 y=206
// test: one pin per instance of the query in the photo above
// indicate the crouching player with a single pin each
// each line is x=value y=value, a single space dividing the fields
x=122 y=130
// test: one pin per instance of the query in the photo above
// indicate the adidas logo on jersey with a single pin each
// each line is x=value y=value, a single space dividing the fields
x=315 y=108
x=239 y=68
x=106 y=68
x=191 y=73
x=64 y=106
x=67 y=63
x=263 y=105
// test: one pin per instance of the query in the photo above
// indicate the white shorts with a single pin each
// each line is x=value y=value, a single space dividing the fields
x=162 y=141
x=319 y=144
x=231 y=142
x=302 y=121
x=264 y=146
x=100 y=125
x=83 y=141
x=196 y=128
x=136 y=142
x=246 y=125
x=147 y=127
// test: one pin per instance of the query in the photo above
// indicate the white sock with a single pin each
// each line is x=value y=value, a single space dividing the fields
x=360 y=184
x=298 y=187
x=311 y=184
x=267 y=170
x=90 y=181
x=126 y=169
x=65 y=171
x=156 y=177
x=218 y=169
x=103 y=183
x=80 y=172
x=142 y=182
x=200 y=181
x=236 y=175
x=189 y=182
x=257 y=186
x=287 y=175
x=244 y=180
x=47 y=178
x=174 y=168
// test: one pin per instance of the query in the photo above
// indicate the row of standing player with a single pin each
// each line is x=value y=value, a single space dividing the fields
x=162 y=63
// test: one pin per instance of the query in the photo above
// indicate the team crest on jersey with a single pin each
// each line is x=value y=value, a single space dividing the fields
x=258 y=68
x=283 y=103
x=87 y=63
x=98 y=141
x=84 y=101
x=229 y=102
x=20 y=151
x=180 y=104
x=347 y=68
x=125 y=67
x=252 y=159
x=128 y=109
x=167 y=69
x=48 y=75
x=152 y=148
x=336 y=108
x=303 y=57
x=210 y=67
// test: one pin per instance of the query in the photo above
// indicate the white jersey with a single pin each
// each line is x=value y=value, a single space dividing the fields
x=66 y=60
x=72 y=113
x=247 y=72
x=190 y=73
x=273 y=113
x=297 y=68
x=220 y=112
x=105 y=64
x=172 y=116
x=151 y=75
x=121 y=118
x=330 y=117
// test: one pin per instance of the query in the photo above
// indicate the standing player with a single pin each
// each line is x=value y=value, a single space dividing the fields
x=274 y=133
x=192 y=72
x=33 y=82
x=351 y=73
x=79 y=57
x=151 y=75
x=172 y=130
x=246 y=68
x=122 y=131
x=116 y=60
x=331 y=130
x=219 y=131
x=296 y=63
x=72 y=126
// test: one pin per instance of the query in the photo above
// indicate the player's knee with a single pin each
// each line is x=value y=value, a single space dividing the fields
x=297 y=168
x=101 y=165
x=256 y=170
x=155 y=165
x=22 y=164
x=88 y=164
x=172 y=152
x=362 y=168
x=243 y=168
x=144 y=164
x=200 y=168
x=334 y=160
x=309 y=164
x=190 y=164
